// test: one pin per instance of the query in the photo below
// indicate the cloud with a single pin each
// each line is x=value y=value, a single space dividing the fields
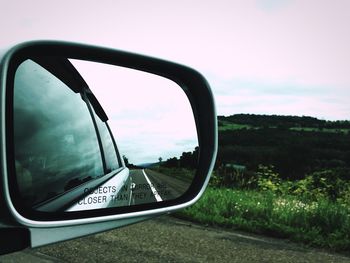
x=272 y=47
x=272 y=5
x=239 y=96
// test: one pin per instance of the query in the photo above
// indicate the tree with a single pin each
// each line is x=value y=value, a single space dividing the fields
x=126 y=161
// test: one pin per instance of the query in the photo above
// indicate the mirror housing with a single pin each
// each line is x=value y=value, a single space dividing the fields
x=32 y=230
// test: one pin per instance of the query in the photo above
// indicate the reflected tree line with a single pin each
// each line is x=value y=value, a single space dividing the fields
x=187 y=160
x=182 y=168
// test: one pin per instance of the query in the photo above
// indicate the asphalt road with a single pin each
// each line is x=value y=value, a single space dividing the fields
x=148 y=186
x=167 y=239
x=170 y=187
x=143 y=186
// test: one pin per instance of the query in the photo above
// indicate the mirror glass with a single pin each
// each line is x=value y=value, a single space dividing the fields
x=90 y=136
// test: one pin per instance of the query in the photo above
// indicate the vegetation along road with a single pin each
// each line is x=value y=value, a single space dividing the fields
x=167 y=239
x=277 y=176
x=282 y=176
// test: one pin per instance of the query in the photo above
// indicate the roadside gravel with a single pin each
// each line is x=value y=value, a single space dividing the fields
x=167 y=239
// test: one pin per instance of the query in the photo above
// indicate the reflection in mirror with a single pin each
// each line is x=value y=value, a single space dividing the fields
x=90 y=135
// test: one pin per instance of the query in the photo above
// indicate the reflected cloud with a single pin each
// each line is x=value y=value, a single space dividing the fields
x=150 y=116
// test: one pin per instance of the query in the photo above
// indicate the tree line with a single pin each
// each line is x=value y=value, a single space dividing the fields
x=283 y=121
x=310 y=158
x=187 y=160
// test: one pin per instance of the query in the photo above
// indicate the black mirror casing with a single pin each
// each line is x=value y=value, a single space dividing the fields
x=30 y=226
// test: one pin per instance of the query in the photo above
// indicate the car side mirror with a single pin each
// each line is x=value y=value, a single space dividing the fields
x=94 y=138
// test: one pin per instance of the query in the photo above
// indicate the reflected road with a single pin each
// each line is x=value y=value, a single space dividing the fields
x=147 y=186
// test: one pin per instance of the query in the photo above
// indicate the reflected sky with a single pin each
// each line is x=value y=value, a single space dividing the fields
x=150 y=116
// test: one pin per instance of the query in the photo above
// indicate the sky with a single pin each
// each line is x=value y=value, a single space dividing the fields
x=150 y=116
x=286 y=57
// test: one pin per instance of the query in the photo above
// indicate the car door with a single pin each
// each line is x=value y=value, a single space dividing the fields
x=60 y=158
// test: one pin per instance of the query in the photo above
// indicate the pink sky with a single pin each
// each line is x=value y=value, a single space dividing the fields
x=260 y=56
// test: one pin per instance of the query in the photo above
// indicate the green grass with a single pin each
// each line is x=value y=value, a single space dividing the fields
x=322 y=224
x=229 y=126
x=309 y=129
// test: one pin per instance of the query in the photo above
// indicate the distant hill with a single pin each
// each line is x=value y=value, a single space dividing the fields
x=306 y=123
x=295 y=145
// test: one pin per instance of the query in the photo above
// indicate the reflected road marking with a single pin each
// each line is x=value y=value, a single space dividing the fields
x=154 y=191
x=132 y=185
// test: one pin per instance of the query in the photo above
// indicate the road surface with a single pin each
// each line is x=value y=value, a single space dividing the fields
x=167 y=239
x=140 y=186
x=146 y=186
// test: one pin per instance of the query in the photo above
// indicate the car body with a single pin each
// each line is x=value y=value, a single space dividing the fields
x=48 y=149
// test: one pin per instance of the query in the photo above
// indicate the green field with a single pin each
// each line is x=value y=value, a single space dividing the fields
x=310 y=129
x=229 y=126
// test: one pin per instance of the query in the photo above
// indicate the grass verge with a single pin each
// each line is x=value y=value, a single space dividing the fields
x=323 y=224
